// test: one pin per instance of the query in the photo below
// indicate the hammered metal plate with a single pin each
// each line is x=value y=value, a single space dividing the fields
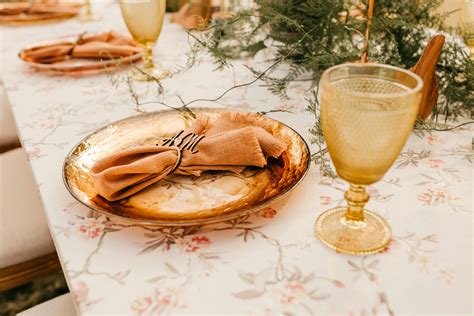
x=77 y=66
x=185 y=200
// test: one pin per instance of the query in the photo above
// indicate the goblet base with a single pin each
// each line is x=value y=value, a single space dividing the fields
x=149 y=74
x=353 y=237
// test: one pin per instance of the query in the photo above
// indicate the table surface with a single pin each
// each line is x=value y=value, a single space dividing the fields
x=269 y=263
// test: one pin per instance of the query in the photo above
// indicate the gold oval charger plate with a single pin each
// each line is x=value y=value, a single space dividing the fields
x=77 y=66
x=28 y=19
x=185 y=200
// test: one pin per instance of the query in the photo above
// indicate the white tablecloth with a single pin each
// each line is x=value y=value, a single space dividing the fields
x=266 y=264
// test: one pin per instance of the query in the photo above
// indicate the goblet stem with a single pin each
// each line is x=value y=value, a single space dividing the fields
x=87 y=15
x=149 y=72
x=148 y=56
x=87 y=7
x=356 y=198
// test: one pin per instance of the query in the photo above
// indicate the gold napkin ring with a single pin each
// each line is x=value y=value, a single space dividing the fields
x=178 y=160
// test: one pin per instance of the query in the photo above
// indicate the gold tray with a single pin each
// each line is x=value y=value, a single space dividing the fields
x=185 y=200
x=77 y=66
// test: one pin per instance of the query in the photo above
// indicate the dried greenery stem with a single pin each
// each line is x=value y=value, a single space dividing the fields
x=116 y=80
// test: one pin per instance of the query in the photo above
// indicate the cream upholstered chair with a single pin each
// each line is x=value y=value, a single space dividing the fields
x=59 y=306
x=8 y=136
x=26 y=247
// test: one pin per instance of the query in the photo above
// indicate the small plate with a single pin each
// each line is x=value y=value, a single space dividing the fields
x=27 y=19
x=77 y=66
x=185 y=200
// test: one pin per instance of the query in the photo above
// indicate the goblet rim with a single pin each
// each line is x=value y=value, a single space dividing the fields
x=139 y=42
x=419 y=82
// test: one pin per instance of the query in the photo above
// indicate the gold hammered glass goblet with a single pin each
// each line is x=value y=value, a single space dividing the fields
x=144 y=20
x=367 y=113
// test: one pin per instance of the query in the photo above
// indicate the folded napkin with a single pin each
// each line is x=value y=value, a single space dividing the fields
x=101 y=45
x=229 y=144
x=39 y=8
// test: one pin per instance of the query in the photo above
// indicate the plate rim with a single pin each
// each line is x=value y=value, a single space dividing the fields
x=189 y=222
x=107 y=63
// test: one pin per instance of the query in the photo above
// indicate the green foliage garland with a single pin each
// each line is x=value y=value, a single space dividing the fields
x=310 y=36
x=313 y=35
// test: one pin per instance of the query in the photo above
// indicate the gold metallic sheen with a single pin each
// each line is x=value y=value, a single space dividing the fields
x=185 y=200
x=367 y=114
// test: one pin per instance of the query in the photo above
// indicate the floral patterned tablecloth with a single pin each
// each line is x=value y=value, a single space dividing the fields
x=265 y=264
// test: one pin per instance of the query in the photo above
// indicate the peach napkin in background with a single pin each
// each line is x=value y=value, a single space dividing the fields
x=59 y=8
x=100 y=46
